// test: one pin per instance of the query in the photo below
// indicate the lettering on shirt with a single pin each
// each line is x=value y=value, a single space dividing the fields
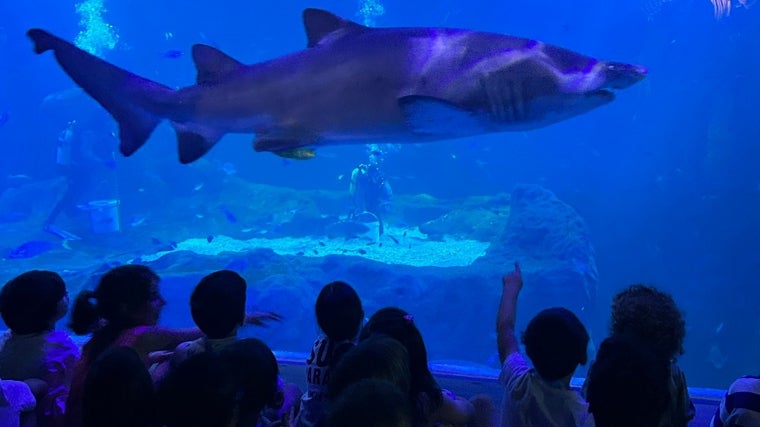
x=318 y=363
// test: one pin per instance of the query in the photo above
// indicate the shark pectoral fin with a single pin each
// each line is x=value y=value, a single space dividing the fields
x=193 y=143
x=320 y=24
x=427 y=115
x=213 y=64
x=297 y=153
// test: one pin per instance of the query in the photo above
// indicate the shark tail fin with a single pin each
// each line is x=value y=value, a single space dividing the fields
x=135 y=102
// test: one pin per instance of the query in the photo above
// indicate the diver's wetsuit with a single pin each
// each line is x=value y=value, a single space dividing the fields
x=370 y=191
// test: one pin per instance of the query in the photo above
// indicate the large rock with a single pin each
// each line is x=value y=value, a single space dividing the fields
x=292 y=296
x=551 y=242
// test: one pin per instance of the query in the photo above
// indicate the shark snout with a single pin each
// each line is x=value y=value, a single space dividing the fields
x=621 y=76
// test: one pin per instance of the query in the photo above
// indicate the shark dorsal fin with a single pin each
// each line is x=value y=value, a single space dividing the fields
x=212 y=64
x=320 y=24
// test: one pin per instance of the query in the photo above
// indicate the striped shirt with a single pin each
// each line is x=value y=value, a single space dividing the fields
x=741 y=404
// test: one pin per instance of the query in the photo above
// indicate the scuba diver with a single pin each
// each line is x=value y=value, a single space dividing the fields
x=82 y=158
x=370 y=191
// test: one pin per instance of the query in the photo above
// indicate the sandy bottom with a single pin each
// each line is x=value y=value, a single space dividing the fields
x=396 y=246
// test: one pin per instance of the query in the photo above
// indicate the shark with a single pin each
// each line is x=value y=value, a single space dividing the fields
x=352 y=84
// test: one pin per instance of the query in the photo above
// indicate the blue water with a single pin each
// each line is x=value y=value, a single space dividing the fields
x=665 y=177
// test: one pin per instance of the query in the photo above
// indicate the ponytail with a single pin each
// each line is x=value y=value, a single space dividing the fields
x=84 y=314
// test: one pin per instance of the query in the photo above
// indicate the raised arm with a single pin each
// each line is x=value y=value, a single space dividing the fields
x=506 y=341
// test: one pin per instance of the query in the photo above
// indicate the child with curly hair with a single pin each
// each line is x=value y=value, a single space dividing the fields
x=652 y=316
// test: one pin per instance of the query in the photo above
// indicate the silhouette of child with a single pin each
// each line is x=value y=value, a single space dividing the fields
x=217 y=305
x=30 y=304
x=123 y=310
x=741 y=404
x=628 y=384
x=555 y=341
x=431 y=404
x=118 y=391
x=339 y=314
x=652 y=316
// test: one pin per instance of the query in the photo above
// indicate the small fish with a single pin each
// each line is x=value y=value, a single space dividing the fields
x=316 y=252
x=362 y=251
x=228 y=214
x=62 y=95
x=4 y=116
x=228 y=168
x=322 y=244
x=30 y=249
x=395 y=240
x=404 y=234
x=138 y=220
x=198 y=187
x=172 y=54
x=719 y=329
x=299 y=253
x=210 y=238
